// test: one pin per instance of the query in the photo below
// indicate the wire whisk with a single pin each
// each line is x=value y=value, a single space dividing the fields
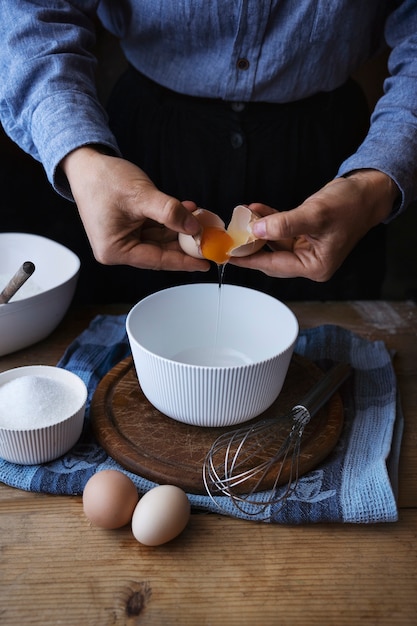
x=240 y=461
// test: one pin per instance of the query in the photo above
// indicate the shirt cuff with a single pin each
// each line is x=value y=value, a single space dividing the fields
x=60 y=125
x=383 y=156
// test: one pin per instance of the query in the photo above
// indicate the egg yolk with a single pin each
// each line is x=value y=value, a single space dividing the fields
x=216 y=244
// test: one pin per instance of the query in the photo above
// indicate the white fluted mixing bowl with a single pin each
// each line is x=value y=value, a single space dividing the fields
x=211 y=357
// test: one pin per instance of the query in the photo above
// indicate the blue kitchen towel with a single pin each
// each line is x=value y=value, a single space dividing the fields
x=356 y=483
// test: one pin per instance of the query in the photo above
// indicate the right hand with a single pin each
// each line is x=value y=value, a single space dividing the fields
x=128 y=221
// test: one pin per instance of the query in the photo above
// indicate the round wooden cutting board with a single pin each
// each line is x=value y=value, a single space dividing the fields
x=165 y=451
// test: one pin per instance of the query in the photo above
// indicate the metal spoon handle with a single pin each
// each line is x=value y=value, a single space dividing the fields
x=325 y=388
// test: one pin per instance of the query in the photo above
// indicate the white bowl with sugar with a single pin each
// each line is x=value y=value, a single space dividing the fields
x=39 y=306
x=42 y=411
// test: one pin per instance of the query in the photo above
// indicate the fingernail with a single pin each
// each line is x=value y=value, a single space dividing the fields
x=259 y=228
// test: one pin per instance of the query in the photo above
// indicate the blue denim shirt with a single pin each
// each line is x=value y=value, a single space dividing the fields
x=237 y=50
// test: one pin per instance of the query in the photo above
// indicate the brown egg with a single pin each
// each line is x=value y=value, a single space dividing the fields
x=109 y=499
x=217 y=243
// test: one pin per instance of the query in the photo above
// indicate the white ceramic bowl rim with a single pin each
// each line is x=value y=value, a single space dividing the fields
x=194 y=366
x=49 y=371
x=72 y=266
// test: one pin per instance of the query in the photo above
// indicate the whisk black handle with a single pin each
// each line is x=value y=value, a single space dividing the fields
x=326 y=387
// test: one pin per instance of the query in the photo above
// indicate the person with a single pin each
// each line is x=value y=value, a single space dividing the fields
x=241 y=102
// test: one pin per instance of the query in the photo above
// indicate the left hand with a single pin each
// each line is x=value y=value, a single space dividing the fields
x=313 y=239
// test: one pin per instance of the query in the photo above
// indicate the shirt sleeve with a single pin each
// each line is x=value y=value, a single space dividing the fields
x=391 y=143
x=48 y=100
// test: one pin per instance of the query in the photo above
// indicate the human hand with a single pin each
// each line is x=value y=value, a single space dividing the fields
x=312 y=240
x=128 y=221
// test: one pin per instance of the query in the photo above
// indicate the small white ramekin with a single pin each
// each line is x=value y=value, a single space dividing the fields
x=44 y=443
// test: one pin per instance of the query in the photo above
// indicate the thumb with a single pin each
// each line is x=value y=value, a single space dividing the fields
x=283 y=225
x=170 y=212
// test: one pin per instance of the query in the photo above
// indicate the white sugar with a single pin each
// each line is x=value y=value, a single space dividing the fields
x=34 y=402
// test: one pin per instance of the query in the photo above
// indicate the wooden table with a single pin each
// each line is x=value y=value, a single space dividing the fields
x=57 y=569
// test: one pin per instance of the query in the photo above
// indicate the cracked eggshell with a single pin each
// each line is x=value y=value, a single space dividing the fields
x=191 y=245
x=239 y=229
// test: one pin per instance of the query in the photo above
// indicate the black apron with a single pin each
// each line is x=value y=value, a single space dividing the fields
x=220 y=154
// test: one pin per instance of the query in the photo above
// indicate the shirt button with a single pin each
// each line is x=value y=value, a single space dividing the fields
x=238 y=107
x=242 y=64
x=236 y=139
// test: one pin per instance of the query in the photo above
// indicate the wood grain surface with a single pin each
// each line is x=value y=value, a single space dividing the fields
x=164 y=450
x=55 y=568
